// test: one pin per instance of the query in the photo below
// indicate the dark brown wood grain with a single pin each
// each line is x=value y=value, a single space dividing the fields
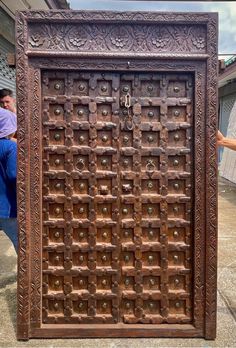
x=117 y=179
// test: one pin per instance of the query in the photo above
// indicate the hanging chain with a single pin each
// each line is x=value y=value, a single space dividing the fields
x=128 y=119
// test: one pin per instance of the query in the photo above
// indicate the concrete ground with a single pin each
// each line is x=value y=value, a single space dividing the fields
x=226 y=331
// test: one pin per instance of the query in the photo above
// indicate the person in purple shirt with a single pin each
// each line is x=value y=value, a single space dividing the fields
x=8 y=162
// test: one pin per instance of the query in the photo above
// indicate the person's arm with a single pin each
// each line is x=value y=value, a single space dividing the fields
x=11 y=162
x=226 y=142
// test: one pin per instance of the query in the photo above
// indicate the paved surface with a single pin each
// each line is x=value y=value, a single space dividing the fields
x=226 y=332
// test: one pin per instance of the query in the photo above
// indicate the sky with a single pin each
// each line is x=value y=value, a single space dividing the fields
x=226 y=10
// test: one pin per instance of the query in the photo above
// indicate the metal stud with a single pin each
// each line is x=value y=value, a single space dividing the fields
x=127 y=282
x=126 y=258
x=104 y=305
x=176 y=281
x=176 y=162
x=150 y=185
x=57 y=186
x=149 y=210
x=57 y=258
x=57 y=86
x=126 y=233
x=152 y=282
x=104 y=88
x=126 y=89
x=177 y=305
x=176 y=89
x=57 y=136
x=125 y=112
x=81 y=210
x=176 y=186
x=150 y=88
x=125 y=211
x=150 y=138
x=127 y=305
x=81 y=139
x=176 y=209
x=81 y=258
x=176 y=137
x=57 y=112
x=80 y=112
x=81 y=234
x=150 y=114
x=176 y=234
x=104 y=258
x=57 y=283
x=104 y=282
x=104 y=210
x=176 y=258
x=56 y=234
x=125 y=163
x=104 y=235
x=151 y=305
x=126 y=139
x=81 y=282
x=81 y=186
x=56 y=306
x=57 y=211
x=176 y=113
x=57 y=162
x=104 y=138
x=104 y=162
x=81 y=87
x=151 y=233
x=80 y=305
x=104 y=112
x=150 y=258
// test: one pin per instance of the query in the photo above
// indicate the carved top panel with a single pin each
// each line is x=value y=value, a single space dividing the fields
x=120 y=37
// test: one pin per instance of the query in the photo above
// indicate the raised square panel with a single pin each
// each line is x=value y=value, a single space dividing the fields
x=80 y=307
x=176 y=89
x=176 y=258
x=104 y=112
x=127 y=235
x=176 y=210
x=104 y=307
x=79 y=283
x=104 y=259
x=104 y=235
x=126 y=139
x=104 y=163
x=104 y=88
x=104 y=282
x=127 y=283
x=80 y=186
x=80 y=235
x=56 y=211
x=56 y=137
x=127 y=211
x=126 y=163
x=127 y=187
x=150 y=186
x=56 y=186
x=177 y=307
x=177 y=113
x=55 y=259
x=177 y=234
x=177 y=283
x=150 y=114
x=151 y=283
x=81 y=138
x=81 y=87
x=56 y=307
x=150 y=234
x=104 y=186
x=80 y=162
x=56 y=112
x=56 y=87
x=127 y=259
x=150 y=139
x=177 y=138
x=151 y=307
x=104 y=210
x=104 y=138
x=80 y=112
x=150 y=88
x=176 y=186
x=177 y=163
x=80 y=210
x=56 y=162
x=151 y=259
x=150 y=163
x=55 y=283
x=150 y=210
x=80 y=259
x=56 y=235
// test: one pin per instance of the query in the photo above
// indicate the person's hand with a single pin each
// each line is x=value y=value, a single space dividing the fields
x=220 y=138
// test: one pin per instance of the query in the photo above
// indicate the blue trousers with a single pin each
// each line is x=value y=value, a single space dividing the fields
x=9 y=226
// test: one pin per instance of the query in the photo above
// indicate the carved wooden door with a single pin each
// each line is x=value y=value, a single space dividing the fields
x=117 y=176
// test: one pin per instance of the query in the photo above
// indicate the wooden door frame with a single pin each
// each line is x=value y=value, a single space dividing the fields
x=49 y=40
